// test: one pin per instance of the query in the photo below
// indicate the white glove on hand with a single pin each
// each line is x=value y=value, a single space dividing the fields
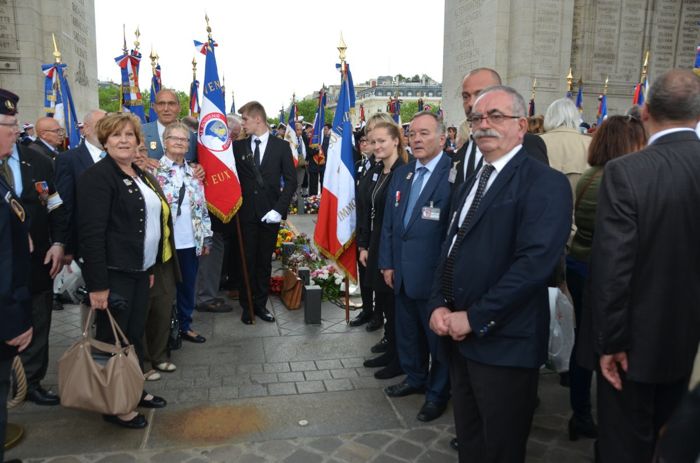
x=272 y=217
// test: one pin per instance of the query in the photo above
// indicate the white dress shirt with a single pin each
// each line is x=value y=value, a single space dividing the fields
x=660 y=134
x=263 y=144
x=161 y=131
x=95 y=152
x=477 y=156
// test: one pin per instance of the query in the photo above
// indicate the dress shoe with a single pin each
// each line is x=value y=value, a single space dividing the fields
x=245 y=319
x=381 y=361
x=582 y=426
x=214 y=307
x=388 y=372
x=430 y=411
x=381 y=346
x=362 y=318
x=41 y=396
x=154 y=402
x=265 y=315
x=402 y=389
x=196 y=338
x=454 y=444
x=374 y=324
x=137 y=422
x=56 y=303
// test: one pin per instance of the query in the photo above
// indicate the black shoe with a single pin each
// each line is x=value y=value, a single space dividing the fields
x=197 y=338
x=454 y=444
x=245 y=319
x=374 y=324
x=137 y=422
x=41 y=396
x=215 y=307
x=390 y=371
x=430 y=411
x=582 y=426
x=362 y=318
x=56 y=303
x=381 y=361
x=155 y=402
x=264 y=315
x=402 y=389
x=381 y=346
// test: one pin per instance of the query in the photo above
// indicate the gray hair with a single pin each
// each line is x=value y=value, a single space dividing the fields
x=561 y=113
x=176 y=126
x=87 y=119
x=675 y=96
x=438 y=121
x=518 y=103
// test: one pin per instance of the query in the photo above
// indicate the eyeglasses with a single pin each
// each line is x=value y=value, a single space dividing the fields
x=59 y=130
x=12 y=125
x=495 y=118
x=178 y=139
x=171 y=104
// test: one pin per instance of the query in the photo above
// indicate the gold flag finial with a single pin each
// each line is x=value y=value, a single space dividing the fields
x=570 y=81
x=56 y=53
x=194 y=68
x=206 y=18
x=534 y=86
x=124 y=49
x=645 y=67
x=605 y=86
x=341 y=49
x=154 y=58
x=136 y=42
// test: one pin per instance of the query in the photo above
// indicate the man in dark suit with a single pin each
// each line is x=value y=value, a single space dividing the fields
x=644 y=317
x=263 y=162
x=15 y=305
x=505 y=237
x=468 y=159
x=49 y=137
x=418 y=203
x=168 y=109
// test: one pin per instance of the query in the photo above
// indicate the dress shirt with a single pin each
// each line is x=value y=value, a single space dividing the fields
x=13 y=161
x=477 y=156
x=95 y=152
x=263 y=144
x=52 y=148
x=431 y=165
x=161 y=131
x=660 y=134
x=153 y=218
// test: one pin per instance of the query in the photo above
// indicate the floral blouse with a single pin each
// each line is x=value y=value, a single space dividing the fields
x=166 y=173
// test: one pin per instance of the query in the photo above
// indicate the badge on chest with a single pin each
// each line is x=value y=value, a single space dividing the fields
x=430 y=212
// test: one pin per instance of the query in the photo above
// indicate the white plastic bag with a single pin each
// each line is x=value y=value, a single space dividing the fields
x=67 y=282
x=561 y=330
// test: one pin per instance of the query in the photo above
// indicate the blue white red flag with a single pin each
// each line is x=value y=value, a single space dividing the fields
x=156 y=85
x=195 y=109
x=602 y=110
x=640 y=92
x=291 y=133
x=579 y=97
x=319 y=120
x=214 y=152
x=131 y=95
x=58 y=101
x=335 y=230
x=696 y=67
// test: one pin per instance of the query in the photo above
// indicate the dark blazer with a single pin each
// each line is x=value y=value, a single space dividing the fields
x=413 y=252
x=369 y=224
x=111 y=222
x=277 y=166
x=45 y=227
x=69 y=167
x=503 y=264
x=40 y=147
x=15 y=298
x=155 y=147
x=644 y=288
x=533 y=144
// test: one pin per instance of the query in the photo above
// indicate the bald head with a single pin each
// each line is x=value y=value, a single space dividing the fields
x=89 y=123
x=474 y=82
x=674 y=98
x=49 y=130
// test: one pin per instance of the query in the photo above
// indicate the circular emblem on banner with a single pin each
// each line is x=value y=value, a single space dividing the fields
x=213 y=132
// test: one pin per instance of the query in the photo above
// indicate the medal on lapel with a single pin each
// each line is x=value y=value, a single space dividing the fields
x=153 y=145
x=398 y=198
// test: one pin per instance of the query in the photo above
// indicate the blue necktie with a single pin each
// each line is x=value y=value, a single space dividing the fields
x=103 y=154
x=415 y=192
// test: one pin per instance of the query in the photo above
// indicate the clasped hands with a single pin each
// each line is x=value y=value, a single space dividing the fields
x=444 y=322
x=272 y=217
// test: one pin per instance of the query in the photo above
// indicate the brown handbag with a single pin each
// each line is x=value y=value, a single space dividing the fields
x=291 y=290
x=100 y=377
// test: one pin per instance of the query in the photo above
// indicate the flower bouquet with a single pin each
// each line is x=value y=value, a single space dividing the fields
x=284 y=235
x=329 y=279
x=311 y=204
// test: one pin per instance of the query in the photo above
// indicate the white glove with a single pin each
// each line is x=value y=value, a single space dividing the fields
x=272 y=217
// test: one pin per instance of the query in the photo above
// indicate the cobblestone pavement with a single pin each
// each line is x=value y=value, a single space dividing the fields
x=270 y=392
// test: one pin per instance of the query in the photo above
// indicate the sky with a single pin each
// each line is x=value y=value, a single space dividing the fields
x=269 y=50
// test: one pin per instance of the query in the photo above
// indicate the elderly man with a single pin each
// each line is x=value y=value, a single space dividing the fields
x=644 y=317
x=506 y=232
x=49 y=137
x=415 y=221
x=167 y=108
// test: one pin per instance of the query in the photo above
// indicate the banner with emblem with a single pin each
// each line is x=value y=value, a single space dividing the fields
x=215 y=153
x=131 y=94
x=291 y=134
x=58 y=102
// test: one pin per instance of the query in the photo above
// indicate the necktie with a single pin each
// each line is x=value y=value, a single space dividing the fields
x=103 y=154
x=257 y=152
x=472 y=157
x=7 y=174
x=448 y=270
x=299 y=142
x=413 y=195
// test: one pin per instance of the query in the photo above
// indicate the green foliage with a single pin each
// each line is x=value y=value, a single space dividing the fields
x=410 y=108
x=307 y=109
x=109 y=99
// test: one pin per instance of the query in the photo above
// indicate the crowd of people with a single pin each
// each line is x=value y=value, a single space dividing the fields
x=460 y=233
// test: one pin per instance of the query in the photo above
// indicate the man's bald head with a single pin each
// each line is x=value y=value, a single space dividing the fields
x=474 y=82
x=675 y=98
x=49 y=130
x=89 y=123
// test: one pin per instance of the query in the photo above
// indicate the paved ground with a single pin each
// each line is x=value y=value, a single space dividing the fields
x=272 y=392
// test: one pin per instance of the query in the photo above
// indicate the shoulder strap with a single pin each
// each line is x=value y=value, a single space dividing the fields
x=585 y=187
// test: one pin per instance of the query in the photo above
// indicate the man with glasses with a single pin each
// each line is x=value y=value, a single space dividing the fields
x=507 y=229
x=50 y=137
x=167 y=107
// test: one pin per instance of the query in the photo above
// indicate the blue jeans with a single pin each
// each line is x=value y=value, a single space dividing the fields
x=189 y=264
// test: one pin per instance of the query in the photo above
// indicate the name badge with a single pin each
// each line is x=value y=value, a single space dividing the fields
x=452 y=176
x=375 y=177
x=430 y=213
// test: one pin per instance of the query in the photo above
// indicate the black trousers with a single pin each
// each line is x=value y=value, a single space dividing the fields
x=493 y=409
x=366 y=291
x=314 y=178
x=35 y=357
x=386 y=304
x=258 y=244
x=629 y=420
x=133 y=287
x=5 y=369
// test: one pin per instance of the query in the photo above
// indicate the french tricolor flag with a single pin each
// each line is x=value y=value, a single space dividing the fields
x=335 y=230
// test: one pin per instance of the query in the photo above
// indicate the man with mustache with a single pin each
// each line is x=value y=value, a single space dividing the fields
x=506 y=232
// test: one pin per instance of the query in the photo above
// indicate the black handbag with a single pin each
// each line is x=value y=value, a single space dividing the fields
x=174 y=338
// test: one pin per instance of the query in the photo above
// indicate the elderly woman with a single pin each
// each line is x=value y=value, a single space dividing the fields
x=124 y=226
x=193 y=235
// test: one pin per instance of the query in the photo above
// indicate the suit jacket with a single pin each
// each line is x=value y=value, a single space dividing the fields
x=69 y=167
x=502 y=266
x=155 y=148
x=40 y=147
x=533 y=144
x=277 y=167
x=644 y=289
x=45 y=227
x=15 y=298
x=413 y=251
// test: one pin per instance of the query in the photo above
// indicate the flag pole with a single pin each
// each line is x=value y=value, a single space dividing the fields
x=341 y=53
x=246 y=278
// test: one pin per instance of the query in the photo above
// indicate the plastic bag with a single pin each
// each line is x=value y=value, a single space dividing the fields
x=561 y=330
x=67 y=282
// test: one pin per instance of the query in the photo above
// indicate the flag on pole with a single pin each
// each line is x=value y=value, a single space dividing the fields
x=319 y=120
x=579 y=97
x=131 y=95
x=696 y=67
x=156 y=85
x=58 y=101
x=233 y=104
x=214 y=152
x=195 y=109
x=291 y=133
x=531 y=108
x=640 y=92
x=602 y=109
x=334 y=235
x=362 y=114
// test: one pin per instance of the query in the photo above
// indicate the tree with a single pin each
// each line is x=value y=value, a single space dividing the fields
x=410 y=108
x=109 y=97
x=307 y=108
